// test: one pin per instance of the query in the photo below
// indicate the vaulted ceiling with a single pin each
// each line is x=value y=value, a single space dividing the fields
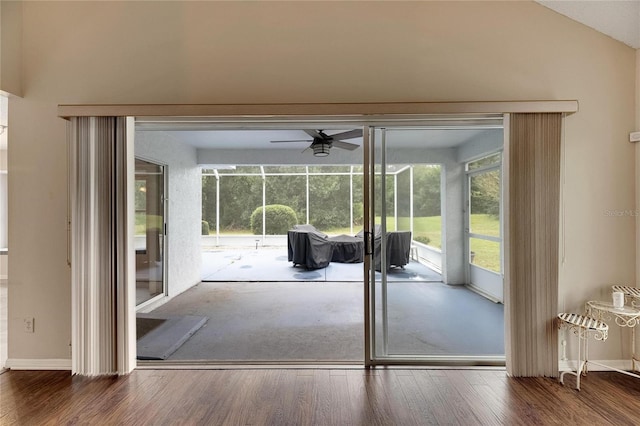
x=619 y=19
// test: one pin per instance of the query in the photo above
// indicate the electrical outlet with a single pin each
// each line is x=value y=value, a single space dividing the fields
x=28 y=325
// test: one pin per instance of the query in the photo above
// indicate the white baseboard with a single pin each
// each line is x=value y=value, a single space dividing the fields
x=38 y=364
x=620 y=364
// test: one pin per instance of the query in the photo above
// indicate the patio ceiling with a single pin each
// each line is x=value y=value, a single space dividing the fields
x=247 y=141
x=260 y=139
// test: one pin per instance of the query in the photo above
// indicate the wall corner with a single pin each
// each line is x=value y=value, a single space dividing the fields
x=637 y=164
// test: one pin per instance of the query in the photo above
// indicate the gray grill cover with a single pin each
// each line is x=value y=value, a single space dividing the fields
x=347 y=249
x=398 y=249
x=309 y=248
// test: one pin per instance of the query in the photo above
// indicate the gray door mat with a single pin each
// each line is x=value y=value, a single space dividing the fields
x=171 y=333
x=146 y=325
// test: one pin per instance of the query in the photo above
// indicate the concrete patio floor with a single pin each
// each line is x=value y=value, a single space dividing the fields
x=321 y=320
x=266 y=264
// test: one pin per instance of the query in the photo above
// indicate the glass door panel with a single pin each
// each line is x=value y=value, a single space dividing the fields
x=416 y=314
x=149 y=230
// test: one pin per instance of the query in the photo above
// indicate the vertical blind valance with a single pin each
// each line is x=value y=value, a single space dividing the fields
x=99 y=246
x=531 y=258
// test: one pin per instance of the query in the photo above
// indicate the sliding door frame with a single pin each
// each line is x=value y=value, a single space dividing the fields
x=368 y=221
x=372 y=299
x=354 y=114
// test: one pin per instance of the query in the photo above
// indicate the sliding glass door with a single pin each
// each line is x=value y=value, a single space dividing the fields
x=150 y=228
x=420 y=306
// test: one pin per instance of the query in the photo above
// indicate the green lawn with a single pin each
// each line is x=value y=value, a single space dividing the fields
x=487 y=254
x=430 y=227
x=485 y=224
x=143 y=221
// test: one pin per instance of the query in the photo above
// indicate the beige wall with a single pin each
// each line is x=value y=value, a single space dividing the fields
x=237 y=52
x=11 y=47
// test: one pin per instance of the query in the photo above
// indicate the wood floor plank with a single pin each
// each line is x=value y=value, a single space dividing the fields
x=98 y=394
x=262 y=398
x=444 y=404
x=383 y=408
x=284 y=398
x=315 y=397
x=361 y=411
x=162 y=404
x=422 y=413
x=304 y=403
x=482 y=409
x=401 y=405
x=244 y=410
x=543 y=406
x=323 y=413
x=616 y=397
x=206 y=401
x=342 y=398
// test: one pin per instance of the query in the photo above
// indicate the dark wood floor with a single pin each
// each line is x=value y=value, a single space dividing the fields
x=316 y=397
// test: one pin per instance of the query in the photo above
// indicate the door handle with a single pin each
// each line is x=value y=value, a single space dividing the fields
x=368 y=243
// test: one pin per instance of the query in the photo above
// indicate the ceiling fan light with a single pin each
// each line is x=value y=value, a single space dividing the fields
x=320 y=149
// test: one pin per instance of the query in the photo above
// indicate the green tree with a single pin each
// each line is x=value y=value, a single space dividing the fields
x=329 y=201
x=209 y=200
x=290 y=191
x=485 y=193
x=426 y=187
x=239 y=197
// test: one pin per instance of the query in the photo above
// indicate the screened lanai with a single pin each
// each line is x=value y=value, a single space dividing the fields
x=438 y=184
x=447 y=180
x=328 y=197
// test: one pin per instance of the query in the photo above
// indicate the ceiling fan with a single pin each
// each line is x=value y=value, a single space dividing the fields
x=322 y=143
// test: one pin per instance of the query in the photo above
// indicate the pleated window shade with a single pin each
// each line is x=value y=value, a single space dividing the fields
x=99 y=247
x=531 y=253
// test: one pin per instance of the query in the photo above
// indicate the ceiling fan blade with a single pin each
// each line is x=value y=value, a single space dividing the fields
x=313 y=133
x=345 y=145
x=299 y=140
x=355 y=133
